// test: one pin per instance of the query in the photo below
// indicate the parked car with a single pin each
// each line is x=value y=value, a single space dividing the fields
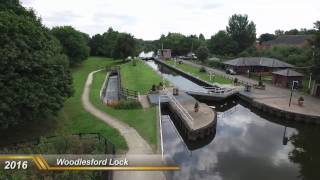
x=231 y=72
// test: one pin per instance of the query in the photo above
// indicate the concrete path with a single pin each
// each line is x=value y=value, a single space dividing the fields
x=143 y=99
x=136 y=144
x=274 y=96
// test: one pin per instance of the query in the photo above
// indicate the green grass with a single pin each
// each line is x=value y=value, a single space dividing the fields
x=74 y=119
x=202 y=75
x=143 y=120
x=139 y=78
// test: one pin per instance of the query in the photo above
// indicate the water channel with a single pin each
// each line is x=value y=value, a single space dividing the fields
x=247 y=145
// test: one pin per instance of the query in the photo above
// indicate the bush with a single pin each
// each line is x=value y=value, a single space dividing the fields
x=216 y=64
x=153 y=88
x=202 y=69
x=128 y=104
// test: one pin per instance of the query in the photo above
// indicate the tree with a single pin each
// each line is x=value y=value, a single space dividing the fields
x=96 y=45
x=266 y=37
x=35 y=79
x=109 y=42
x=222 y=44
x=241 y=31
x=279 y=32
x=74 y=43
x=292 y=32
x=202 y=53
x=317 y=25
x=125 y=46
x=316 y=57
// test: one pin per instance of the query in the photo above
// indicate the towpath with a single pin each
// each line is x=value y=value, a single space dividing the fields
x=274 y=96
x=136 y=144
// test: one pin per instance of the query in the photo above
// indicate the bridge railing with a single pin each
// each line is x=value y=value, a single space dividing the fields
x=181 y=109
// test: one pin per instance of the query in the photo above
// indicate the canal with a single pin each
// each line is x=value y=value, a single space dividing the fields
x=247 y=144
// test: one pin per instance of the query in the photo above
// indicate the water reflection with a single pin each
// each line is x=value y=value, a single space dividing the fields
x=248 y=145
x=245 y=147
x=177 y=80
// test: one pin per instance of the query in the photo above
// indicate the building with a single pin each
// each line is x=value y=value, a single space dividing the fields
x=164 y=54
x=286 y=77
x=243 y=65
x=287 y=40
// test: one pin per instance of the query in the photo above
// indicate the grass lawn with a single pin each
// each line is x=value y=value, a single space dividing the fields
x=139 y=78
x=143 y=120
x=72 y=118
x=202 y=75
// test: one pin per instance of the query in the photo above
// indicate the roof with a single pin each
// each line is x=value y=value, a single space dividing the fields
x=287 y=72
x=258 y=61
x=289 y=40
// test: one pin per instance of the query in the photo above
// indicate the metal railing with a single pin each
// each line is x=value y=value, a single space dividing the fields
x=127 y=93
x=181 y=109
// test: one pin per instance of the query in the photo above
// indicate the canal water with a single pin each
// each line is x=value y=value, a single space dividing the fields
x=247 y=145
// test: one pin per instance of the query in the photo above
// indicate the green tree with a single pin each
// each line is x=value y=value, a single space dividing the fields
x=242 y=31
x=279 y=32
x=317 y=25
x=316 y=57
x=266 y=37
x=35 y=78
x=222 y=44
x=109 y=42
x=292 y=32
x=96 y=45
x=75 y=43
x=202 y=53
x=125 y=46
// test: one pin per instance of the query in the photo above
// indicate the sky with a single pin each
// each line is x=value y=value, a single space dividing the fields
x=148 y=19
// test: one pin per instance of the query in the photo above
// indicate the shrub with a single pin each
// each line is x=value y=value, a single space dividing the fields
x=202 y=69
x=301 y=98
x=216 y=64
x=153 y=88
x=128 y=104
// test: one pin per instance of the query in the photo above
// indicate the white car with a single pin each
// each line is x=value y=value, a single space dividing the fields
x=231 y=72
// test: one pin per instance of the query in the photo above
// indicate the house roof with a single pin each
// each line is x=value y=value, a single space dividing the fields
x=289 y=40
x=287 y=73
x=258 y=61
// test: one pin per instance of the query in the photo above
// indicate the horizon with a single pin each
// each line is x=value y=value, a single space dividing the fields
x=188 y=18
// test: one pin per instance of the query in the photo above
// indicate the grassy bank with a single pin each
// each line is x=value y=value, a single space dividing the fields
x=72 y=118
x=143 y=120
x=139 y=78
x=202 y=75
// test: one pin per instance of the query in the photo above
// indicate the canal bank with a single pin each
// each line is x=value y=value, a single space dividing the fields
x=208 y=91
x=273 y=100
x=245 y=138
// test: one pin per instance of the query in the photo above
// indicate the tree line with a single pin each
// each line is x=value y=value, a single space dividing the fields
x=35 y=61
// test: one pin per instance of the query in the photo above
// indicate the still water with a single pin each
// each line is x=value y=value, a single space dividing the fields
x=247 y=146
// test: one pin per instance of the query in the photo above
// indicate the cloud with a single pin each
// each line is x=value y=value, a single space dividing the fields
x=61 y=17
x=149 y=19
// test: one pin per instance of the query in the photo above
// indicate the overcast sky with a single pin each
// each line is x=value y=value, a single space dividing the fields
x=148 y=19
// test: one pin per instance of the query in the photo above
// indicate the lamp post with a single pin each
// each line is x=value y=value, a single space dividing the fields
x=310 y=79
x=285 y=138
x=292 y=88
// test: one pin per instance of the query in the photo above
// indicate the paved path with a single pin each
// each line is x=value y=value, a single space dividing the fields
x=136 y=144
x=144 y=101
x=274 y=96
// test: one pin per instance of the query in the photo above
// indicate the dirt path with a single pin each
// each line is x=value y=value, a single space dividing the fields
x=136 y=144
